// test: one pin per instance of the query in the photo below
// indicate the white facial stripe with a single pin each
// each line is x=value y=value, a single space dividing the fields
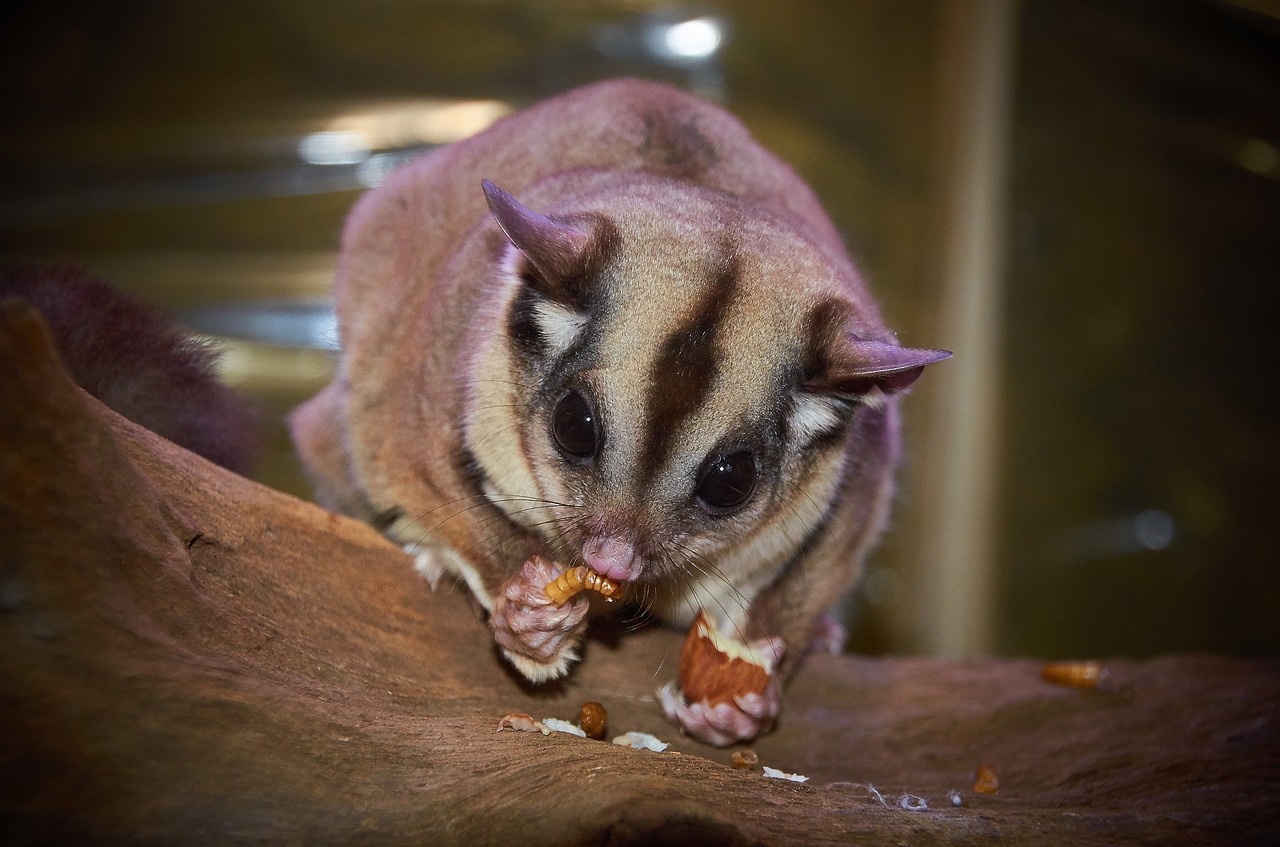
x=813 y=416
x=559 y=325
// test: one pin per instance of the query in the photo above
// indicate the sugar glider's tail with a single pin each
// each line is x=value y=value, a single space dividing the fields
x=139 y=361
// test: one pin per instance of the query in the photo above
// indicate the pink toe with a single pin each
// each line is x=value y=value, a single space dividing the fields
x=723 y=724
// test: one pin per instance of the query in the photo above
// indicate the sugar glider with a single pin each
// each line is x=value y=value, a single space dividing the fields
x=612 y=330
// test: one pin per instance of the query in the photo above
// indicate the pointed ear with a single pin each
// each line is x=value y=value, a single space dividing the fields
x=855 y=366
x=557 y=250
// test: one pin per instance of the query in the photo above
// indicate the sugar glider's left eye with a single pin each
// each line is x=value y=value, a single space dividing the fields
x=727 y=482
x=573 y=424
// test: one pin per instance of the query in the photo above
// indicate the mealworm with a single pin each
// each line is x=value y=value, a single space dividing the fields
x=1074 y=674
x=578 y=579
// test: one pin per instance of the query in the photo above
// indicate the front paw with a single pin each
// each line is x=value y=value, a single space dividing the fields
x=728 y=722
x=538 y=637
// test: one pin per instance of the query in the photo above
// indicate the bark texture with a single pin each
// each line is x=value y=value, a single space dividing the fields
x=188 y=657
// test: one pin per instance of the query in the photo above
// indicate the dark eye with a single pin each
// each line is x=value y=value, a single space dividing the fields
x=727 y=482
x=573 y=423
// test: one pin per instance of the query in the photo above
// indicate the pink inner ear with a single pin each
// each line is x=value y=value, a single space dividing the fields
x=556 y=249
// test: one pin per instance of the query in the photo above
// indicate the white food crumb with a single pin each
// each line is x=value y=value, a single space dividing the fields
x=912 y=803
x=956 y=799
x=774 y=773
x=557 y=725
x=640 y=741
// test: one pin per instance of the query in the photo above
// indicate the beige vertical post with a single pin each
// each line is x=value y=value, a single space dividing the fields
x=957 y=575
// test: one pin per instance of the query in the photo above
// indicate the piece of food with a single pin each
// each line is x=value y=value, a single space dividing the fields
x=745 y=759
x=520 y=722
x=640 y=741
x=557 y=725
x=581 y=578
x=593 y=718
x=1074 y=674
x=985 y=780
x=715 y=668
x=774 y=773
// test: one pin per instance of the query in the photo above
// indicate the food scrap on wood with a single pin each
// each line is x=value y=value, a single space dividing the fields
x=641 y=741
x=1074 y=674
x=593 y=719
x=985 y=780
x=774 y=773
x=558 y=725
x=520 y=722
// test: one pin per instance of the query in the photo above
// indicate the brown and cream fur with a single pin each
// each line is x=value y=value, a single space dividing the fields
x=138 y=360
x=699 y=297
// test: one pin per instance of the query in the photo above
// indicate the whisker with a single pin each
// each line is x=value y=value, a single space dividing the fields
x=708 y=569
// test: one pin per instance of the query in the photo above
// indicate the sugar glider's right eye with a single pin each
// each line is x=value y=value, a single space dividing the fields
x=727 y=482
x=573 y=424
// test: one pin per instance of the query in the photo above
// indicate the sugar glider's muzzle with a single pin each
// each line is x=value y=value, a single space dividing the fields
x=612 y=558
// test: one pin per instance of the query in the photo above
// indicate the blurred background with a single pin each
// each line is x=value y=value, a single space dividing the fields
x=1081 y=199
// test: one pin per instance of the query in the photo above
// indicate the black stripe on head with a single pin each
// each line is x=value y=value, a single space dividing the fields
x=522 y=322
x=685 y=369
x=469 y=469
x=825 y=325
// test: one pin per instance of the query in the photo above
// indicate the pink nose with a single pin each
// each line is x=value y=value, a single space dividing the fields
x=611 y=557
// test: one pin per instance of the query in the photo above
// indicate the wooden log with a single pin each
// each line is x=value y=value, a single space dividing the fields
x=189 y=657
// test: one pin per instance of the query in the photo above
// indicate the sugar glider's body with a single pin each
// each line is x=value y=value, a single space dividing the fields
x=640 y=346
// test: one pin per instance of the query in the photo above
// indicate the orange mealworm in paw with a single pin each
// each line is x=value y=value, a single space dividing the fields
x=581 y=578
x=1074 y=674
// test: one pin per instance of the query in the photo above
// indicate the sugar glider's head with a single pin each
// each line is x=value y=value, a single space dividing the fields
x=668 y=393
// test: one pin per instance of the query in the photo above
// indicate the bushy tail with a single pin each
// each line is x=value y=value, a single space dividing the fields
x=139 y=361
